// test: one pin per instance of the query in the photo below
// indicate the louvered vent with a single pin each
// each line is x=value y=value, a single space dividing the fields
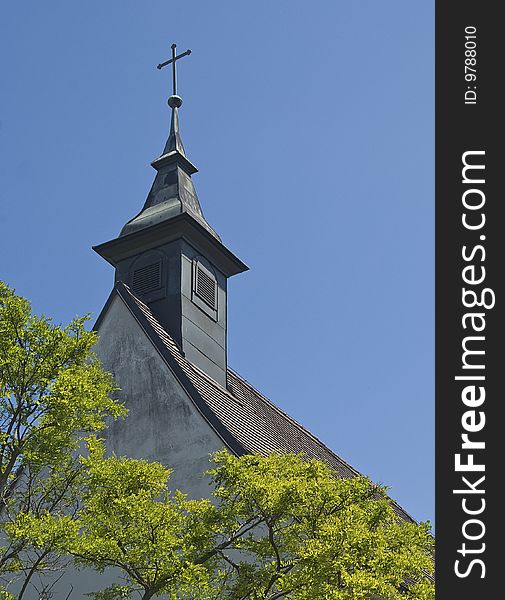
x=206 y=287
x=147 y=279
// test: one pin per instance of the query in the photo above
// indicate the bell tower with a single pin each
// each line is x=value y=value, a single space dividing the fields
x=173 y=260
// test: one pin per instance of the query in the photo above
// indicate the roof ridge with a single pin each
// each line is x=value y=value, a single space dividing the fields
x=211 y=381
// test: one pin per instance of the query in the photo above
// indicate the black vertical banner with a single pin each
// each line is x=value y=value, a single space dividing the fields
x=470 y=248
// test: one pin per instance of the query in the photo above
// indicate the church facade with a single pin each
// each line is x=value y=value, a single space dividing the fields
x=162 y=334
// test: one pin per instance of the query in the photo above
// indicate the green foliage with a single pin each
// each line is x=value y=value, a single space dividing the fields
x=316 y=536
x=277 y=526
x=114 y=592
x=53 y=393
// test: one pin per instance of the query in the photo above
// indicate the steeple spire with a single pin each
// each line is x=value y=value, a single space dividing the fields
x=174 y=141
x=172 y=192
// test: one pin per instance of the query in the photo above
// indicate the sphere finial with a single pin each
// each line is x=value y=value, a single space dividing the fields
x=175 y=101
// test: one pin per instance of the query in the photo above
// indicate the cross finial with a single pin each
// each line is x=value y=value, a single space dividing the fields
x=173 y=61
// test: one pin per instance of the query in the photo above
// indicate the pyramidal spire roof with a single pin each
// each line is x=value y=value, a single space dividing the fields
x=173 y=191
x=172 y=210
x=174 y=142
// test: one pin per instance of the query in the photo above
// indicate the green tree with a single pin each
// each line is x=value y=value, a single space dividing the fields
x=53 y=393
x=276 y=527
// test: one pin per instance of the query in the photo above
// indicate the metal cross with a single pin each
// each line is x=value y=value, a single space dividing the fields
x=172 y=61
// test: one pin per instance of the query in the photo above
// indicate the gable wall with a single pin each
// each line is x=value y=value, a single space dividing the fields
x=162 y=424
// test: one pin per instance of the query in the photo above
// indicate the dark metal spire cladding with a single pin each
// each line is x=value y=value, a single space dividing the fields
x=172 y=192
x=174 y=141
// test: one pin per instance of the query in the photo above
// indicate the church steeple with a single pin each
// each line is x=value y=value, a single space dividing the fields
x=173 y=191
x=174 y=260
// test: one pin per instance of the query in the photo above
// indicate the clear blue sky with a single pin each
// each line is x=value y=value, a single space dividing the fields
x=312 y=126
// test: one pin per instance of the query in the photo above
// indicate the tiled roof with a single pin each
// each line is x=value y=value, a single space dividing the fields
x=245 y=420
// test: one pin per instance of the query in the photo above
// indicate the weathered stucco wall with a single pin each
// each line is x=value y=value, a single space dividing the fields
x=163 y=424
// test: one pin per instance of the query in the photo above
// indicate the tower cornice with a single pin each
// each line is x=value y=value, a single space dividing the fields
x=174 y=157
x=183 y=226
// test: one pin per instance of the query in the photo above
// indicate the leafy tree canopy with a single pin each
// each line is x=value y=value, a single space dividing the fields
x=53 y=393
x=275 y=527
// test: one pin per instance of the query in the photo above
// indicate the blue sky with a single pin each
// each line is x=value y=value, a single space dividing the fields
x=312 y=126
